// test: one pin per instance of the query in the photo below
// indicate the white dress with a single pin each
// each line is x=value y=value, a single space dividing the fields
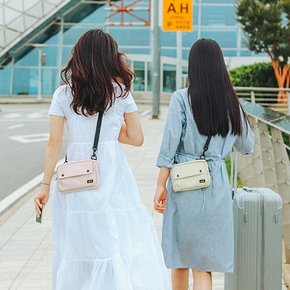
x=103 y=239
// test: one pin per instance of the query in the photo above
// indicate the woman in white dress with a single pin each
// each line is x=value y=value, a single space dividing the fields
x=103 y=239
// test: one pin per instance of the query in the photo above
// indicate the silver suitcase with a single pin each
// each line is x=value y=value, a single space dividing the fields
x=258 y=240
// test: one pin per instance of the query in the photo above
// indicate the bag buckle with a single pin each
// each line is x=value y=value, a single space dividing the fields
x=94 y=156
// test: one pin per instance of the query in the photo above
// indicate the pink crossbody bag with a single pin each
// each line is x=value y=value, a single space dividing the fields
x=83 y=174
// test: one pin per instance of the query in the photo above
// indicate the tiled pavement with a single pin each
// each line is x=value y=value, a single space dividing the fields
x=25 y=246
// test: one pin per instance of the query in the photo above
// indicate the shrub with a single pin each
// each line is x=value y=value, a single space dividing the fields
x=254 y=75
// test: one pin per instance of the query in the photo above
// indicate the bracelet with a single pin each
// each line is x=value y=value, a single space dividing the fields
x=45 y=183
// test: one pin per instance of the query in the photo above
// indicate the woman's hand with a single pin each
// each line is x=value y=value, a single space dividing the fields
x=41 y=198
x=160 y=198
x=51 y=157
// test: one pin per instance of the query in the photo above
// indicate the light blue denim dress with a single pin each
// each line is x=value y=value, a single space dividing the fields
x=198 y=225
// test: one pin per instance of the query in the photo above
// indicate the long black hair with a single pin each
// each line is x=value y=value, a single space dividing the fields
x=94 y=65
x=215 y=105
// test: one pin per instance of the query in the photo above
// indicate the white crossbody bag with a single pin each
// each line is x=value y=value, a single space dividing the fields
x=191 y=175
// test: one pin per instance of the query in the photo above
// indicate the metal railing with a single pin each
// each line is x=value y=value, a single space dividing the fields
x=269 y=165
x=266 y=97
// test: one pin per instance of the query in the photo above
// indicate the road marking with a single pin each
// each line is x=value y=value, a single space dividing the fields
x=15 y=126
x=145 y=112
x=37 y=115
x=12 y=198
x=32 y=138
x=12 y=115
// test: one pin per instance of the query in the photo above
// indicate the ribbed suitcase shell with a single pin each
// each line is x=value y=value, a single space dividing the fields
x=258 y=241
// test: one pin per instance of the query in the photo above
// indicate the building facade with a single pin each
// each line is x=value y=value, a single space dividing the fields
x=37 y=72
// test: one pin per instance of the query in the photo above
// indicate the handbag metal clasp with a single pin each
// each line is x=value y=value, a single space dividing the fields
x=94 y=155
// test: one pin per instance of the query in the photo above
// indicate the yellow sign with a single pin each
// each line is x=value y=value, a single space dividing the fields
x=177 y=15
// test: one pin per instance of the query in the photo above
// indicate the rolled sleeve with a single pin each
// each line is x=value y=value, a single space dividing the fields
x=130 y=106
x=245 y=142
x=163 y=161
x=172 y=131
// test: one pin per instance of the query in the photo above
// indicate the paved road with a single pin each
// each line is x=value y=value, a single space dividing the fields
x=24 y=133
x=23 y=138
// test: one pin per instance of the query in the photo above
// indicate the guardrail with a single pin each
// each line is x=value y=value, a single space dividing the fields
x=266 y=97
x=269 y=165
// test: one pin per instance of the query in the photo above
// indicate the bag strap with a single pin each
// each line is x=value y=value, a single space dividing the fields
x=235 y=171
x=97 y=136
x=205 y=147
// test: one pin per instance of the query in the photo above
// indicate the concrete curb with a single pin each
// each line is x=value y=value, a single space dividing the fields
x=19 y=100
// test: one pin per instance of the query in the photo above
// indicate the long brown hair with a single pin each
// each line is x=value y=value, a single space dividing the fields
x=94 y=65
x=215 y=105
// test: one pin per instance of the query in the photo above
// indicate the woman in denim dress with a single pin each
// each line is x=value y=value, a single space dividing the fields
x=198 y=224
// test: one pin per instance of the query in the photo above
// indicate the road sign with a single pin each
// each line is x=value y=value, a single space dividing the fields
x=177 y=15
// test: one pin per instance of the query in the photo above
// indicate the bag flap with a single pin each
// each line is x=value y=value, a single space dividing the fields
x=76 y=168
x=188 y=169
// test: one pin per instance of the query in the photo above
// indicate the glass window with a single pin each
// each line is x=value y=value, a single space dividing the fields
x=218 y=15
x=244 y=40
x=134 y=50
x=50 y=81
x=131 y=36
x=66 y=52
x=96 y=17
x=25 y=81
x=55 y=38
x=139 y=80
x=72 y=33
x=31 y=59
x=169 y=78
x=49 y=56
x=230 y=52
x=167 y=38
x=5 y=74
x=188 y=38
x=195 y=15
x=225 y=38
x=247 y=52
x=168 y=52
x=185 y=53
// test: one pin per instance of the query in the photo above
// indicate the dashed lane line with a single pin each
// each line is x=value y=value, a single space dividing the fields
x=15 y=126
x=31 y=138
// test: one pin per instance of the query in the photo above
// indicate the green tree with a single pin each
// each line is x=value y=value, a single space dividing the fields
x=266 y=24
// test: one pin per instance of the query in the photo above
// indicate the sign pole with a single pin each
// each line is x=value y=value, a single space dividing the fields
x=155 y=74
x=179 y=60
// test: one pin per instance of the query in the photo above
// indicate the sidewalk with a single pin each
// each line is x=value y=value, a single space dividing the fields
x=25 y=246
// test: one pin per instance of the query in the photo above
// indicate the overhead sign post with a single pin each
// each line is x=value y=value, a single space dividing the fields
x=177 y=15
x=155 y=73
